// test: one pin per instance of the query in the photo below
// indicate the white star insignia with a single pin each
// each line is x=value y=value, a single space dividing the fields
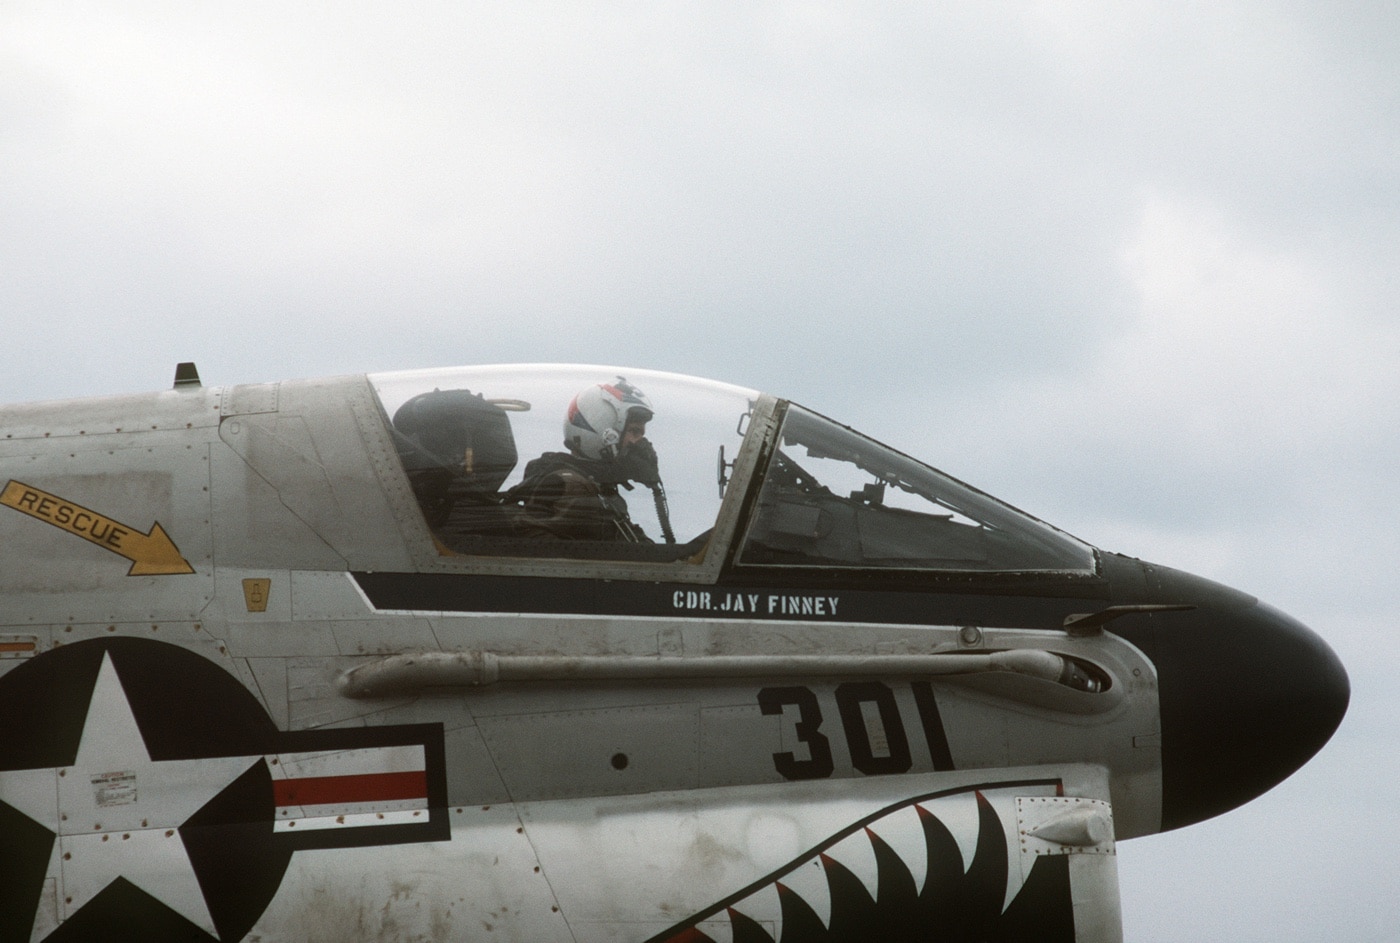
x=117 y=813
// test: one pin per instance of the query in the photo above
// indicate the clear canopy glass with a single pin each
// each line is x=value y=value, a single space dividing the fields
x=692 y=419
x=827 y=496
x=832 y=497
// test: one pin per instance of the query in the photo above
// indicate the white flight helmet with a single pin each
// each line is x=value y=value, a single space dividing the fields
x=596 y=417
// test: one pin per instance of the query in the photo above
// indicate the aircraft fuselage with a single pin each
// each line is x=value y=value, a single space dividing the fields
x=290 y=671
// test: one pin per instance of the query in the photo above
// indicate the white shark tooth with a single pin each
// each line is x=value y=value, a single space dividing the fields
x=718 y=928
x=959 y=814
x=764 y=907
x=808 y=881
x=857 y=855
x=903 y=831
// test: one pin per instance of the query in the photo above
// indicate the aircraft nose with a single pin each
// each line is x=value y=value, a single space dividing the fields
x=1247 y=696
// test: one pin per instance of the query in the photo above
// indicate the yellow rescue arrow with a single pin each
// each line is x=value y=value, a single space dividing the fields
x=151 y=554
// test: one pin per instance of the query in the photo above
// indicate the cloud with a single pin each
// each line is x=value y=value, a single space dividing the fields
x=1130 y=267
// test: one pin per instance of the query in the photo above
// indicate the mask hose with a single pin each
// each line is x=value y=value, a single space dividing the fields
x=663 y=512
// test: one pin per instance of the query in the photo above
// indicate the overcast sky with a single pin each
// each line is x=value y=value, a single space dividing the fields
x=1130 y=266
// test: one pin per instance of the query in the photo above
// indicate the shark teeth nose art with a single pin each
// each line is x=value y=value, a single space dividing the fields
x=964 y=865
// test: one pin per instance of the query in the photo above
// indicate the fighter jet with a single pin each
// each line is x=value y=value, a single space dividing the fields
x=586 y=654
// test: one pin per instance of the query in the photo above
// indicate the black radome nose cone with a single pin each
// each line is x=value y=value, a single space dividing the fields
x=1247 y=696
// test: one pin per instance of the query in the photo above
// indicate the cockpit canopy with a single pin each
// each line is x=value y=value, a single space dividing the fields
x=759 y=481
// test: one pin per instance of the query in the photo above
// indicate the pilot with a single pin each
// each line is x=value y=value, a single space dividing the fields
x=574 y=494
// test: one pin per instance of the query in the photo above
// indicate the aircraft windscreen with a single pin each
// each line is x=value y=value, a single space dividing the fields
x=832 y=497
x=470 y=437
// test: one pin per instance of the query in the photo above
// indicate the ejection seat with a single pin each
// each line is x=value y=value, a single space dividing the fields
x=458 y=449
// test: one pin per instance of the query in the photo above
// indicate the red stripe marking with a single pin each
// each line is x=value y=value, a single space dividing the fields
x=335 y=790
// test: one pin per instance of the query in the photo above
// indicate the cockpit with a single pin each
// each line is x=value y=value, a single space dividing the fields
x=738 y=477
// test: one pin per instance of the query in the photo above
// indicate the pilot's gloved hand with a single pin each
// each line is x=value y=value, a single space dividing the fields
x=639 y=463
